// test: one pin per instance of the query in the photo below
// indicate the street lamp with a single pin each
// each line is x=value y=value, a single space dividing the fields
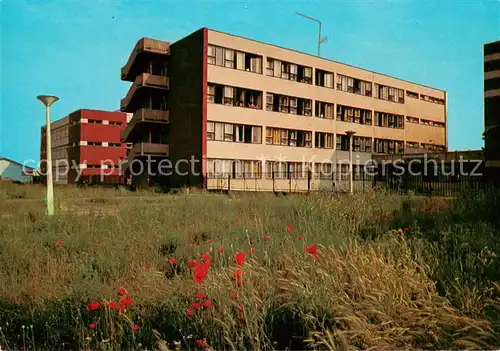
x=48 y=100
x=320 y=39
x=350 y=133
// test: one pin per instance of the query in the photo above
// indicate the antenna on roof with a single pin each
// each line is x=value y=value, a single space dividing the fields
x=321 y=40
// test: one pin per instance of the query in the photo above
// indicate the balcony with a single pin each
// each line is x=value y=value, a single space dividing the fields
x=144 y=115
x=141 y=81
x=144 y=45
x=147 y=149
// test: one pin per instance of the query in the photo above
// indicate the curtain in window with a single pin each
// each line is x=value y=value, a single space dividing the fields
x=240 y=60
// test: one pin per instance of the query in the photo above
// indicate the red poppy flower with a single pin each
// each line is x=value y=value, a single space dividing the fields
x=234 y=296
x=251 y=251
x=196 y=305
x=193 y=263
x=240 y=307
x=136 y=328
x=124 y=302
x=121 y=291
x=266 y=237
x=313 y=250
x=207 y=303
x=202 y=344
x=205 y=256
x=239 y=258
x=238 y=273
x=59 y=243
x=98 y=243
x=189 y=313
x=209 y=241
x=94 y=305
x=300 y=237
x=201 y=272
x=92 y=325
x=172 y=260
x=289 y=228
x=221 y=250
x=406 y=229
x=111 y=304
x=201 y=295
x=146 y=266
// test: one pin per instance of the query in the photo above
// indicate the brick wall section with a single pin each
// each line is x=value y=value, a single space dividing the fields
x=186 y=106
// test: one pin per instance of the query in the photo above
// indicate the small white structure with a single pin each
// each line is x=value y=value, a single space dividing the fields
x=15 y=171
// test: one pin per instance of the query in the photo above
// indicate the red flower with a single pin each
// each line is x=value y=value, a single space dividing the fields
x=111 y=304
x=193 y=263
x=189 y=313
x=201 y=272
x=205 y=256
x=266 y=237
x=251 y=250
x=121 y=291
x=92 y=325
x=406 y=229
x=300 y=237
x=234 y=296
x=196 y=305
x=240 y=307
x=201 y=295
x=238 y=273
x=146 y=266
x=221 y=250
x=135 y=328
x=172 y=260
x=124 y=302
x=94 y=305
x=202 y=344
x=289 y=228
x=98 y=243
x=239 y=258
x=209 y=241
x=59 y=243
x=313 y=250
x=207 y=303
x=240 y=283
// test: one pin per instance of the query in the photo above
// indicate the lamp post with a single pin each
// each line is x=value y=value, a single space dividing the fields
x=48 y=100
x=320 y=39
x=350 y=133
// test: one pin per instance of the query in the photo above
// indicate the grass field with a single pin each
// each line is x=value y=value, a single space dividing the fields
x=368 y=271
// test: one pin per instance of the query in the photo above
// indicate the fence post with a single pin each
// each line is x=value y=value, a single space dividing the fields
x=228 y=182
x=308 y=181
x=272 y=177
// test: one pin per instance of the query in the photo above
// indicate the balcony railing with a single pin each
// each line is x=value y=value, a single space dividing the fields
x=144 y=45
x=145 y=149
x=144 y=115
x=144 y=80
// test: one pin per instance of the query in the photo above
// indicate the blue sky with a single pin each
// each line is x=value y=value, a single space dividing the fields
x=75 y=49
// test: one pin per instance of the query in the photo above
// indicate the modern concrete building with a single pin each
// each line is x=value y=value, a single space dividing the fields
x=259 y=117
x=88 y=141
x=492 y=103
x=14 y=171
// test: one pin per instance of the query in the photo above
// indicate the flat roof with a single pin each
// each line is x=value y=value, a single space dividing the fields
x=323 y=58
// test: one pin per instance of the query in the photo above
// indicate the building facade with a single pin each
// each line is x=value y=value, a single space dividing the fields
x=492 y=103
x=14 y=171
x=259 y=116
x=86 y=143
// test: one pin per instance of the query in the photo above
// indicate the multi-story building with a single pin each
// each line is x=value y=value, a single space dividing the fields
x=85 y=143
x=257 y=115
x=492 y=103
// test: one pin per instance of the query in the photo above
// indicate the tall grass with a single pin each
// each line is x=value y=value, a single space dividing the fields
x=391 y=272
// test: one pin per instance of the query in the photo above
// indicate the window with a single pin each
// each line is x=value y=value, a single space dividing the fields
x=234 y=96
x=288 y=137
x=354 y=115
x=287 y=170
x=434 y=147
x=114 y=123
x=114 y=144
x=221 y=168
x=323 y=110
x=324 y=78
x=412 y=144
x=228 y=96
x=94 y=121
x=385 y=146
x=361 y=144
x=388 y=93
x=354 y=85
x=94 y=143
x=323 y=140
x=288 y=71
x=323 y=171
x=432 y=99
x=389 y=120
x=410 y=119
x=412 y=94
x=342 y=142
x=288 y=104
x=211 y=93
x=239 y=133
x=230 y=58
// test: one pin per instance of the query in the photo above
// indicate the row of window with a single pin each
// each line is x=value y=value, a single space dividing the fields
x=252 y=169
x=426 y=122
x=424 y=97
x=235 y=59
x=235 y=96
x=98 y=143
x=238 y=133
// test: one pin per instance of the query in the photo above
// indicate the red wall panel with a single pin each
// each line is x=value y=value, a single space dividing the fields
x=100 y=133
x=96 y=155
x=105 y=115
